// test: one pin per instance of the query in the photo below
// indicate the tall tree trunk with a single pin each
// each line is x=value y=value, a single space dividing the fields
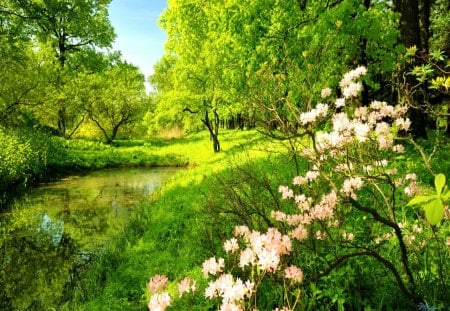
x=425 y=25
x=410 y=36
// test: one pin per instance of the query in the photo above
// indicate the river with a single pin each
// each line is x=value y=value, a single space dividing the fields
x=52 y=231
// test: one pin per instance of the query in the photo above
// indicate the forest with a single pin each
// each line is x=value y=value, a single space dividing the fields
x=311 y=137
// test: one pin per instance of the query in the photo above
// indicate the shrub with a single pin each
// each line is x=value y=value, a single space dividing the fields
x=348 y=221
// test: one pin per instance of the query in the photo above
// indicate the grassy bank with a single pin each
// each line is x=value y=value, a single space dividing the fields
x=28 y=157
x=172 y=235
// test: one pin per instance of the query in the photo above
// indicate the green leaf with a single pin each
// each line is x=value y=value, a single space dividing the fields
x=439 y=182
x=434 y=211
x=419 y=199
x=445 y=196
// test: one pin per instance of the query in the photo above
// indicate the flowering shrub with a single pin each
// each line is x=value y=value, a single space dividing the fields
x=350 y=204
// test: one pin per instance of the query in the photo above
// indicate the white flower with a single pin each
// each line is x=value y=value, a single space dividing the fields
x=325 y=92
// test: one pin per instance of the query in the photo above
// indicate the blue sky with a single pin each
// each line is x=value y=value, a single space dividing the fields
x=139 y=37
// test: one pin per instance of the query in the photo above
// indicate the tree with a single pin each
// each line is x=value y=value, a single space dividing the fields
x=68 y=26
x=114 y=98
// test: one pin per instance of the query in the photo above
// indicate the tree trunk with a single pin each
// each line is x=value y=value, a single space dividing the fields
x=410 y=36
x=213 y=129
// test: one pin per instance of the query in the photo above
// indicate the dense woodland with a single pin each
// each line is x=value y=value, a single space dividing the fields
x=269 y=66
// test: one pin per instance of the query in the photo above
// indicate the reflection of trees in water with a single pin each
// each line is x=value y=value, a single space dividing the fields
x=36 y=267
x=47 y=240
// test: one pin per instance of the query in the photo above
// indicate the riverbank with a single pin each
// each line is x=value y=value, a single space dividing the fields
x=27 y=158
x=175 y=231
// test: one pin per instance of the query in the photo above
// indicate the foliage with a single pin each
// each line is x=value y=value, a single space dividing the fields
x=353 y=186
x=433 y=203
x=23 y=157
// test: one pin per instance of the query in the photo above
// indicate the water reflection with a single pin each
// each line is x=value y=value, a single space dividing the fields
x=54 y=230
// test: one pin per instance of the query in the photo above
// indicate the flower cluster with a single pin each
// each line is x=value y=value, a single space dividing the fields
x=351 y=159
x=232 y=291
x=160 y=298
x=262 y=251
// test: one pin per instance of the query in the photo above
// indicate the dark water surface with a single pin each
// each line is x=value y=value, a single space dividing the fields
x=49 y=234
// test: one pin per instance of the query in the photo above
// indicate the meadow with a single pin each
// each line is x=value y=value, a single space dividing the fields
x=189 y=218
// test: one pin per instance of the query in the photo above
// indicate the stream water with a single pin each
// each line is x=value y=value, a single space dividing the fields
x=54 y=230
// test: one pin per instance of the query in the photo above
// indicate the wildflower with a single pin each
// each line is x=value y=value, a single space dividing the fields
x=247 y=258
x=211 y=266
x=159 y=302
x=294 y=273
x=398 y=148
x=340 y=102
x=361 y=112
x=286 y=193
x=412 y=177
x=352 y=184
x=299 y=180
x=231 y=246
x=241 y=231
x=268 y=259
x=403 y=123
x=278 y=215
x=348 y=236
x=361 y=131
x=300 y=198
x=352 y=75
x=352 y=90
x=411 y=189
x=321 y=110
x=187 y=285
x=232 y=291
x=300 y=233
x=311 y=175
x=325 y=92
x=382 y=128
x=319 y=235
x=385 y=141
x=400 y=110
x=157 y=283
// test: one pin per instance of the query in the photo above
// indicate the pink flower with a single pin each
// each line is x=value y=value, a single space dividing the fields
x=241 y=231
x=411 y=189
x=403 y=123
x=231 y=246
x=321 y=110
x=311 y=175
x=187 y=285
x=300 y=233
x=211 y=266
x=232 y=292
x=286 y=193
x=294 y=273
x=268 y=260
x=299 y=180
x=159 y=302
x=278 y=215
x=352 y=184
x=247 y=258
x=157 y=283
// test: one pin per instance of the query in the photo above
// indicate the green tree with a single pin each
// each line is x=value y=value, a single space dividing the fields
x=68 y=27
x=114 y=98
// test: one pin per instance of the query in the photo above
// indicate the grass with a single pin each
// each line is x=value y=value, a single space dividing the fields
x=169 y=236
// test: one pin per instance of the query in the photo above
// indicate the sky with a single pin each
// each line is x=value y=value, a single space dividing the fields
x=139 y=37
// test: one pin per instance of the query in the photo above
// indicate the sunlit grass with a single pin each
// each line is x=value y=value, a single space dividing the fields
x=168 y=236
